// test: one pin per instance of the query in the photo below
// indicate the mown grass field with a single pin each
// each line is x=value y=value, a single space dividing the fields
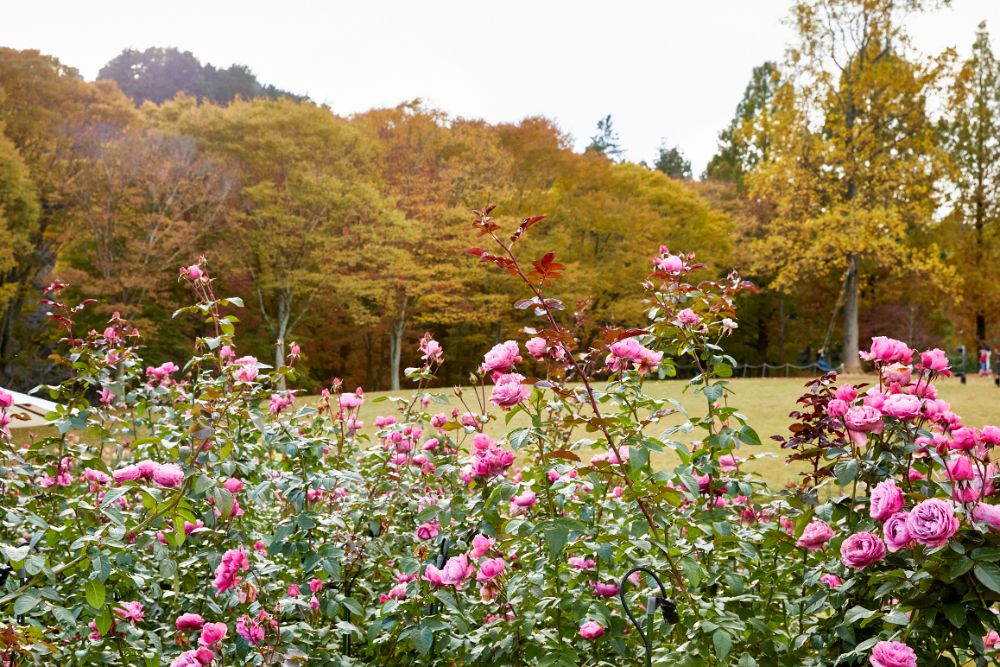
x=766 y=403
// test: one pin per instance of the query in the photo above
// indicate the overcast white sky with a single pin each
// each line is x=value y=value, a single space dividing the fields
x=671 y=69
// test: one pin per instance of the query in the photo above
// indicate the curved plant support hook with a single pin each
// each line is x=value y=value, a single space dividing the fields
x=653 y=603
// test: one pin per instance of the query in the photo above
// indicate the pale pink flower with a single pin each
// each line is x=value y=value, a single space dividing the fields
x=591 y=630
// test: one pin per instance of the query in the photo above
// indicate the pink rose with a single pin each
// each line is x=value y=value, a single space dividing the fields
x=604 y=590
x=860 y=420
x=501 y=358
x=886 y=500
x=591 y=630
x=860 y=550
x=888 y=350
x=847 y=393
x=892 y=654
x=481 y=545
x=668 y=264
x=963 y=438
x=580 y=563
x=902 y=406
x=815 y=536
x=988 y=514
x=189 y=622
x=315 y=585
x=959 y=469
x=427 y=531
x=537 y=347
x=526 y=499
x=129 y=473
x=688 y=317
x=932 y=522
x=491 y=568
x=935 y=360
x=837 y=408
x=168 y=475
x=293 y=591
x=212 y=633
x=509 y=390
x=895 y=532
x=831 y=580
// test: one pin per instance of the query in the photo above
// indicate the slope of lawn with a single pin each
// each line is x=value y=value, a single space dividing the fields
x=766 y=403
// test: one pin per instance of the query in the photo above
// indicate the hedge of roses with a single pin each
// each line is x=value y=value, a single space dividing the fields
x=192 y=514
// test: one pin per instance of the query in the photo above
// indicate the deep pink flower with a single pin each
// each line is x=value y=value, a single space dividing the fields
x=212 y=633
x=897 y=536
x=315 y=585
x=227 y=573
x=189 y=622
x=892 y=654
x=847 y=393
x=168 y=475
x=428 y=531
x=888 y=350
x=668 y=263
x=886 y=500
x=837 y=408
x=250 y=630
x=932 y=522
x=455 y=571
x=293 y=591
x=604 y=590
x=491 y=568
x=989 y=514
x=862 y=549
x=526 y=499
x=581 y=563
x=130 y=611
x=481 y=545
x=862 y=419
x=831 y=580
x=902 y=406
x=591 y=630
x=187 y=659
x=129 y=473
x=501 y=358
x=509 y=390
x=935 y=360
x=815 y=536
x=234 y=485
x=959 y=469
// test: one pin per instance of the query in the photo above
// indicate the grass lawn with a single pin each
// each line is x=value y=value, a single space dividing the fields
x=765 y=401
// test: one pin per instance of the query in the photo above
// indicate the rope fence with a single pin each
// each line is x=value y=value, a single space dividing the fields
x=782 y=370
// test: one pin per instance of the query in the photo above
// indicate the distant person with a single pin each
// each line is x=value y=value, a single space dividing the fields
x=821 y=362
x=984 y=360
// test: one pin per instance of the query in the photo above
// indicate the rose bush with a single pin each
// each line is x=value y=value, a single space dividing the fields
x=194 y=514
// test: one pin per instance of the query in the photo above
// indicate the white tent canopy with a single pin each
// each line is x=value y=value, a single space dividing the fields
x=29 y=411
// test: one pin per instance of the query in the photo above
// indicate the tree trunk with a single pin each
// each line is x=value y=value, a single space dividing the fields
x=852 y=362
x=980 y=326
x=781 y=327
x=283 y=318
x=396 y=330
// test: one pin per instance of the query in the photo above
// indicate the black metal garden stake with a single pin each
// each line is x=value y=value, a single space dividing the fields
x=653 y=602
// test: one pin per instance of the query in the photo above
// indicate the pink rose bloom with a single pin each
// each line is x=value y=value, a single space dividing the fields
x=847 y=393
x=96 y=476
x=831 y=580
x=501 y=358
x=491 y=568
x=168 y=475
x=509 y=390
x=668 y=264
x=888 y=350
x=897 y=536
x=604 y=590
x=874 y=399
x=456 y=570
x=728 y=462
x=130 y=611
x=431 y=349
x=935 y=360
x=902 y=406
x=194 y=272
x=186 y=659
x=526 y=499
x=247 y=369
x=227 y=573
x=990 y=435
x=537 y=347
x=886 y=500
x=351 y=401
x=892 y=654
x=129 y=473
x=959 y=469
x=234 y=485
x=932 y=522
x=991 y=640
x=481 y=545
x=963 y=438
x=212 y=633
x=988 y=514
x=315 y=585
x=250 y=630
x=189 y=622
x=815 y=536
x=860 y=550
x=591 y=630
x=580 y=563
x=293 y=591
x=688 y=317
x=897 y=374
x=6 y=399
x=915 y=475
x=837 y=408
x=427 y=531
x=860 y=420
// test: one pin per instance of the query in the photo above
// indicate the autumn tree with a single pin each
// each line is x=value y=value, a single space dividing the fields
x=306 y=177
x=972 y=135
x=54 y=118
x=854 y=161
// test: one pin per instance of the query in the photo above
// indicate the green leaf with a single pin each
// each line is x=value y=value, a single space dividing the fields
x=95 y=594
x=224 y=501
x=748 y=436
x=959 y=567
x=989 y=575
x=104 y=621
x=556 y=535
x=26 y=602
x=422 y=639
x=714 y=392
x=955 y=613
x=723 y=642
x=846 y=471
x=857 y=613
